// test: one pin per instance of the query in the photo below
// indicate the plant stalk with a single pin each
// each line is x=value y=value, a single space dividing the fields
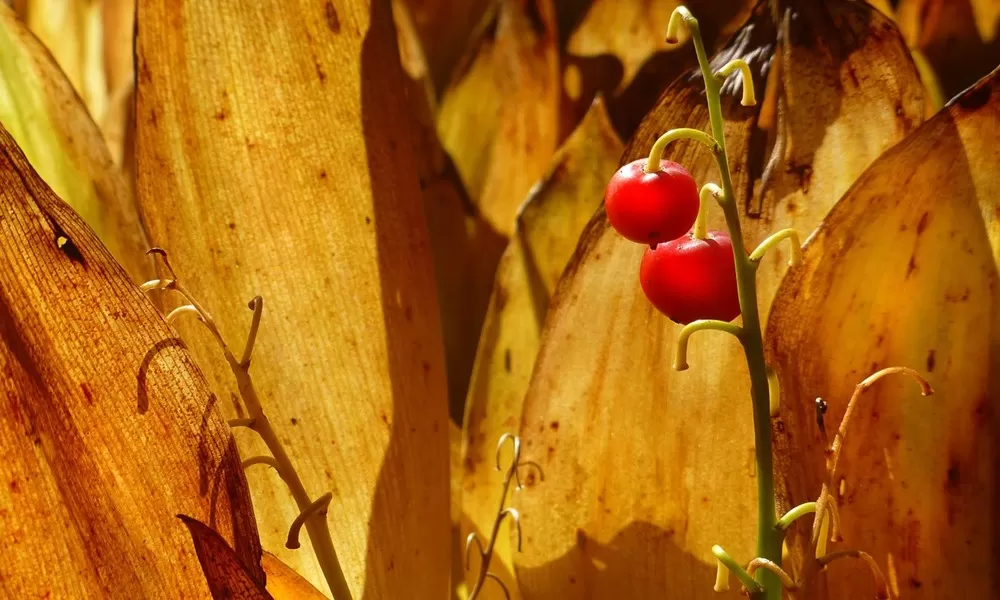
x=769 y=537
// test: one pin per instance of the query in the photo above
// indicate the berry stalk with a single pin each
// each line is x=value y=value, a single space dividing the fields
x=769 y=537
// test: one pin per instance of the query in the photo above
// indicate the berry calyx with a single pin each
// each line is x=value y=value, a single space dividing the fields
x=652 y=207
x=689 y=278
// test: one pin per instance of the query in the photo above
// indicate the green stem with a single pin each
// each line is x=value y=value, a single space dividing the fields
x=768 y=536
x=680 y=355
x=737 y=570
x=796 y=513
x=709 y=190
x=684 y=133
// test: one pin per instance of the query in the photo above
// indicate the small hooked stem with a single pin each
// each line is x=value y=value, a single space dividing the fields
x=680 y=355
x=656 y=153
x=709 y=190
x=774 y=391
x=486 y=554
x=181 y=310
x=794 y=514
x=319 y=506
x=257 y=306
x=749 y=97
x=763 y=563
x=737 y=570
x=881 y=589
x=262 y=460
x=775 y=239
x=838 y=440
x=249 y=423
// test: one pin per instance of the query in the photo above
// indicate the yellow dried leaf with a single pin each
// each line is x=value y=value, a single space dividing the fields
x=443 y=29
x=108 y=429
x=631 y=30
x=283 y=583
x=72 y=30
x=654 y=467
x=903 y=272
x=546 y=234
x=40 y=109
x=499 y=119
x=464 y=247
x=285 y=169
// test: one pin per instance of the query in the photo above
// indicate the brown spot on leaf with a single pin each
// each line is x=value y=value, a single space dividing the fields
x=931 y=361
x=554 y=425
x=922 y=223
x=87 y=393
x=332 y=19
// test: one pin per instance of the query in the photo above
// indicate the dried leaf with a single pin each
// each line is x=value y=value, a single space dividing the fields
x=903 y=271
x=305 y=191
x=283 y=583
x=957 y=37
x=443 y=29
x=465 y=249
x=118 y=27
x=655 y=467
x=40 y=109
x=499 y=119
x=547 y=230
x=226 y=576
x=93 y=467
x=617 y=47
x=72 y=31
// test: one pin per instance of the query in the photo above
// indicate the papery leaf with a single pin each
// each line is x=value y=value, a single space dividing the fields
x=648 y=468
x=285 y=169
x=283 y=583
x=226 y=576
x=464 y=247
x=903 y=271
x=633 y=31
x=40 y=109
x=108 y=429
x=444 y=29
x=958 y=38
x=118 y=29
x=72 y=32
x=547 y=230
x=499 y=118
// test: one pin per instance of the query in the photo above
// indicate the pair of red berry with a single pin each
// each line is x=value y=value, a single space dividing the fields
x=684 y=277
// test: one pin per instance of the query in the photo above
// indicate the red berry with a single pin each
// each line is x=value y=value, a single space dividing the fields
x=649 y=208
x=689 y=279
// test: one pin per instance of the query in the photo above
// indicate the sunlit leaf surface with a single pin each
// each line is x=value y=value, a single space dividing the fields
x=499 y=118
x=108 y=429
x=285 y=169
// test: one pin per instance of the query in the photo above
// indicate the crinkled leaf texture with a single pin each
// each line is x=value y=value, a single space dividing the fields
x=903 y=272
x=107 y=428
